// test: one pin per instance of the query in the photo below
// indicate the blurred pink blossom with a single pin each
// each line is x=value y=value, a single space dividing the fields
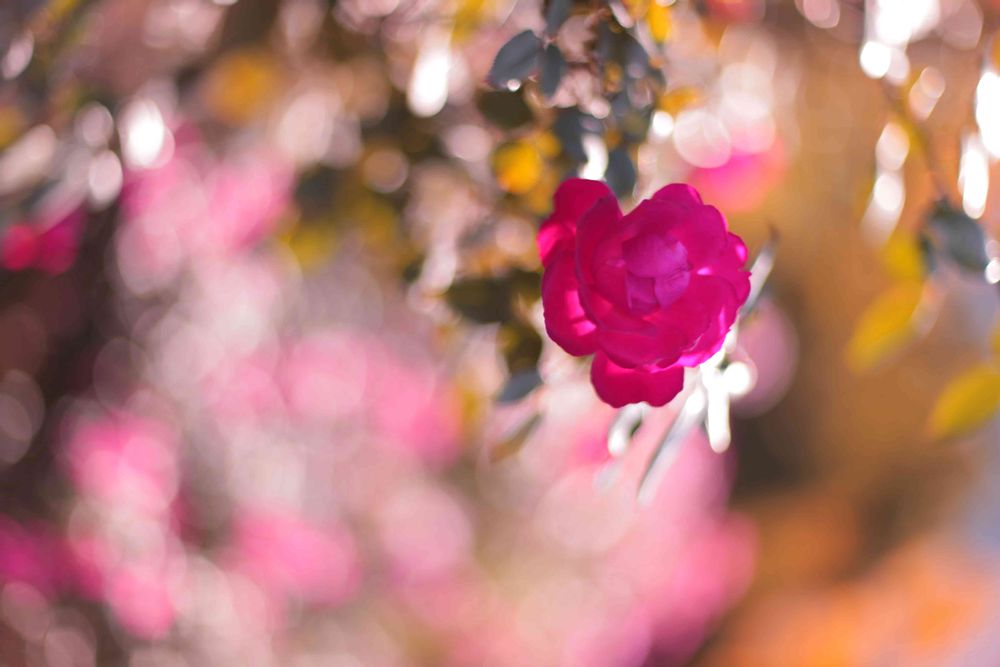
x=290 y=557
x=33 y=554
x=744 y=181
x=124 y=459
x=141 y=600
x=48 y=244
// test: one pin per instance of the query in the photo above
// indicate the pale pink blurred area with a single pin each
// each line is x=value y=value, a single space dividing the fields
x=744 y=181
x=275 y=382
x=124 y=460
x=288 y=557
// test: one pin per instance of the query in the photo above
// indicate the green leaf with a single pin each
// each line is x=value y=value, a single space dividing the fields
x=526 y=284
x=516 y=60
x=553 y=70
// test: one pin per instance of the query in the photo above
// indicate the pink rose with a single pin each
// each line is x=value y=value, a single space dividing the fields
x=647 y=294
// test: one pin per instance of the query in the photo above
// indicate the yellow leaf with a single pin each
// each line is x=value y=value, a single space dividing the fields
x=614 y=74
x=11 y=124
x=468 y=16
x=890 y=322
x=239 y=85
x=518 y=167
x=636 y=8
x=310 y=244
x=57 y=10
x=539 y=198
x=548 y=144
x=902 y=257
x=659 y=21
x=968 y=402
x=678 y=99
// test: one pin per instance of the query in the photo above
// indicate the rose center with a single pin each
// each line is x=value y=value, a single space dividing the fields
x=657 y=271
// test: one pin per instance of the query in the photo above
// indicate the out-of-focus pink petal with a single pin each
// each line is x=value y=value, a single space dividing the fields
x=20 y=247
x=58 y=244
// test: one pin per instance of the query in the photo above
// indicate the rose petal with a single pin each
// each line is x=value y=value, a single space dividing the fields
x=704 y=235
x=611 y=312
x=691 y=314
x=637 y=348
x=640 y=293
x=595 y=230
x=651 y=255
x=575 y=196
x=736 y=250
x=671 y=287
x=571 y=200
x=720 y=299
x=599 y=266
x=678 y=192
x=619 y=386
x=565 y=320
x=554 y=237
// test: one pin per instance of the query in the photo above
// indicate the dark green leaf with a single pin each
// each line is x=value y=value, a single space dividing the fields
x=519 y=385
x=516 y=60
x=521 y=346
x=927 y=253
x=959 y=237
x=526 y=284
x=481 y=300
x=507 y=110
x=569 y=129
x=556 y=15
x=636 y=58
x=621 y=105
x=620 y=174
x=312 y=194
x=635 y=124
x=248 y=23
x=553 y=70
x=605 y=45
